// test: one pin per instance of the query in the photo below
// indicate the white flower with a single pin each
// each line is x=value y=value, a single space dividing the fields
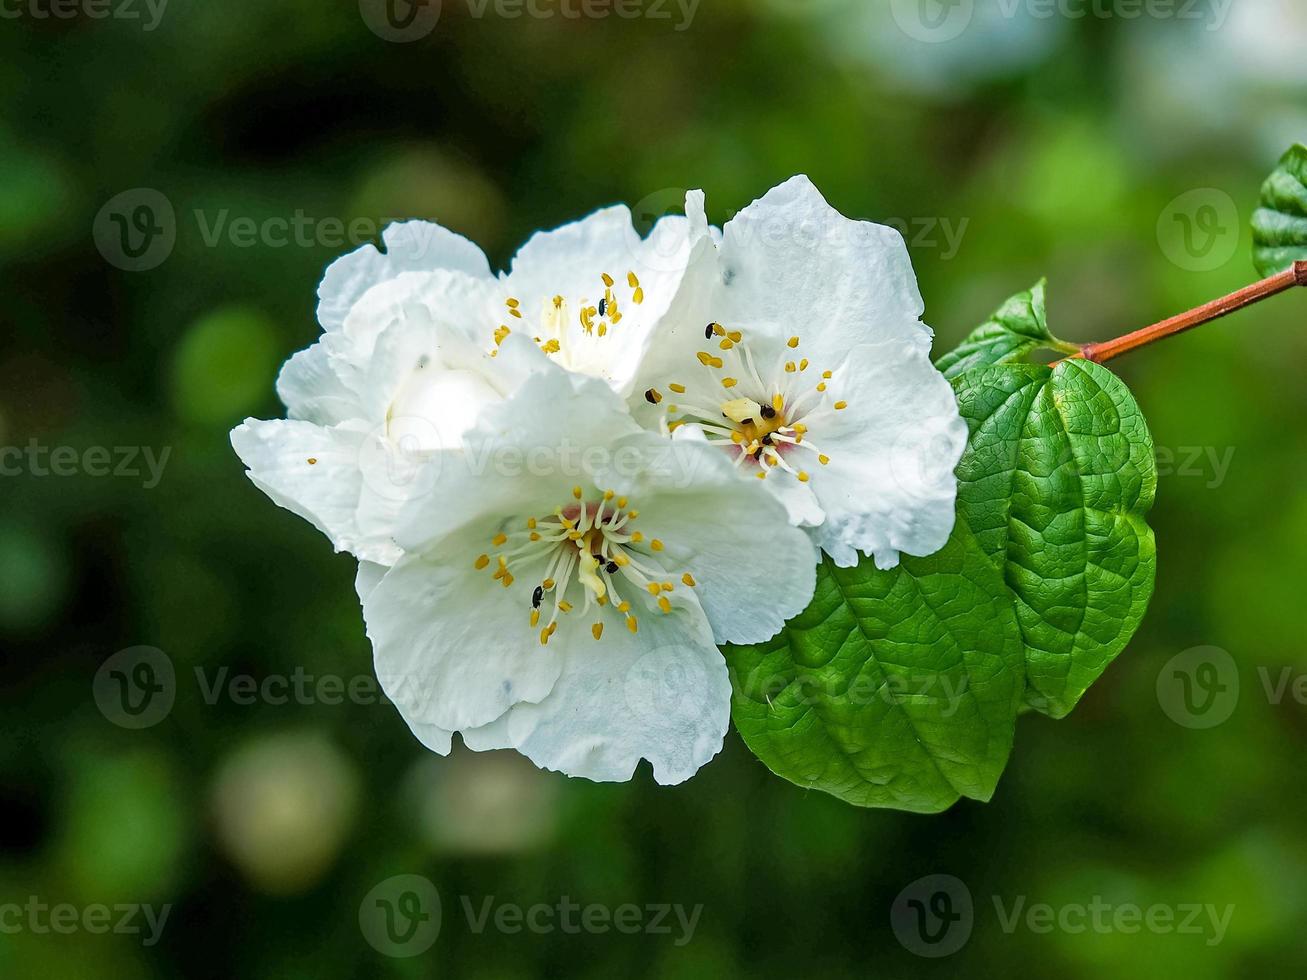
x=801 y=354
x=564 y=581
x=395 y=378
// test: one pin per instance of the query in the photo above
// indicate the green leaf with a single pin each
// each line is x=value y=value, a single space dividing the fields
x=1017 y=329
x=1280 y=223
x=895 y=688
x=1057 y=478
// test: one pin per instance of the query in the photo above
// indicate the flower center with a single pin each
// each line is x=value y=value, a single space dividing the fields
x=761 y=417
x=572 y=330
x=581 y=552
x=434 y=408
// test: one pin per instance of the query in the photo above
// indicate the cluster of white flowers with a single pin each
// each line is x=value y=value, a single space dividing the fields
x=566 y=484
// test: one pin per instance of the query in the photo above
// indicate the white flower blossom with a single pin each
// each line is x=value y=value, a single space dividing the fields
x=800 y=352
x=565 y=580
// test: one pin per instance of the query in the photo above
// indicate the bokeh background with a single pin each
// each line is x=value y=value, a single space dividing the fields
x=1117 y=154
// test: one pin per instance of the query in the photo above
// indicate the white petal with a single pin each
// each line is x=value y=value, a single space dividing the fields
x=524 y=455
x=312 y=471
x=890 y=485
x=569 y=262
x=410 y=246
x=793 y=265
x=661 y=694
x=310 y=388
x=453 y=649
x=753 y=570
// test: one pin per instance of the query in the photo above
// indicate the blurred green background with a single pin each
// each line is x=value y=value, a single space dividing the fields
x=1118 y=155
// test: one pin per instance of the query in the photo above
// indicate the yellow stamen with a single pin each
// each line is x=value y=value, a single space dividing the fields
x=679 y=389
x=631 y=624
x=803 y=476
x=656 y=545
x=499 y=539
x=729 y=382
x=708 y=360
x=840 y=406
x=793 y=342
x=482 y=562
x=597 y=631
x=664 y=604
x=688 y=579
x=823 y=459
x=576 y=492
x=777 y=402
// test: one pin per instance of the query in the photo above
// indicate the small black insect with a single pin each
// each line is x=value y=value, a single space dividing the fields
x=603 y=307
x=768 y=412
x=611 y=567
x=537 y=596
x=766 y=440
x=707 y=332
x=652 y=397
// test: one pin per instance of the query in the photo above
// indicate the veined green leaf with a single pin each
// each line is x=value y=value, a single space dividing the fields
x=1280 y=223
x=1018 y=328
x=1058 y=476
x=895 y=688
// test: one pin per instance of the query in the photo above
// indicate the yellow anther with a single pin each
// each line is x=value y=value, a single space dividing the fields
x=544 y=637
x=679 y=389
x=708 y=360
x=608 y=495
x=726 y=344
x=535 y=535
x=737 y=436
x=482 y=562
x=803 y=364
x=632 y=514
x=729 y=382
x=653 y=396
x=551 y=347
x=512 y=303
x=803 y=476
x=777 y=402
x=621 y=560
x=654 y=588
x=507 y=580
x=501 y=332
x=637 y=297
x=688 y=579
x=621 y=501
x=822 y=386
x=565 y=606
x=632 y=280
x=823 y=459
x=761 y=475
x=603 y=599
x=623 y=607
x=735 y=335
x=792 y=342
x=656 y=545
x=574 y=535
x=608 y=280
x=547 y=584
x=530 y=523
x=576 y=492
x=499 y=539
x=631 y=624
x=668 y=586
x=516 y=313
x=664 y=604
x=597 y=631
x=840 y=406
x=800 y=428
x=637 y=537
x=826 y=375
x=603 y=329
x=535 y=618
x=790 y=367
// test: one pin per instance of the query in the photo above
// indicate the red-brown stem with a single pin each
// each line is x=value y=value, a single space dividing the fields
x=1108 y=349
